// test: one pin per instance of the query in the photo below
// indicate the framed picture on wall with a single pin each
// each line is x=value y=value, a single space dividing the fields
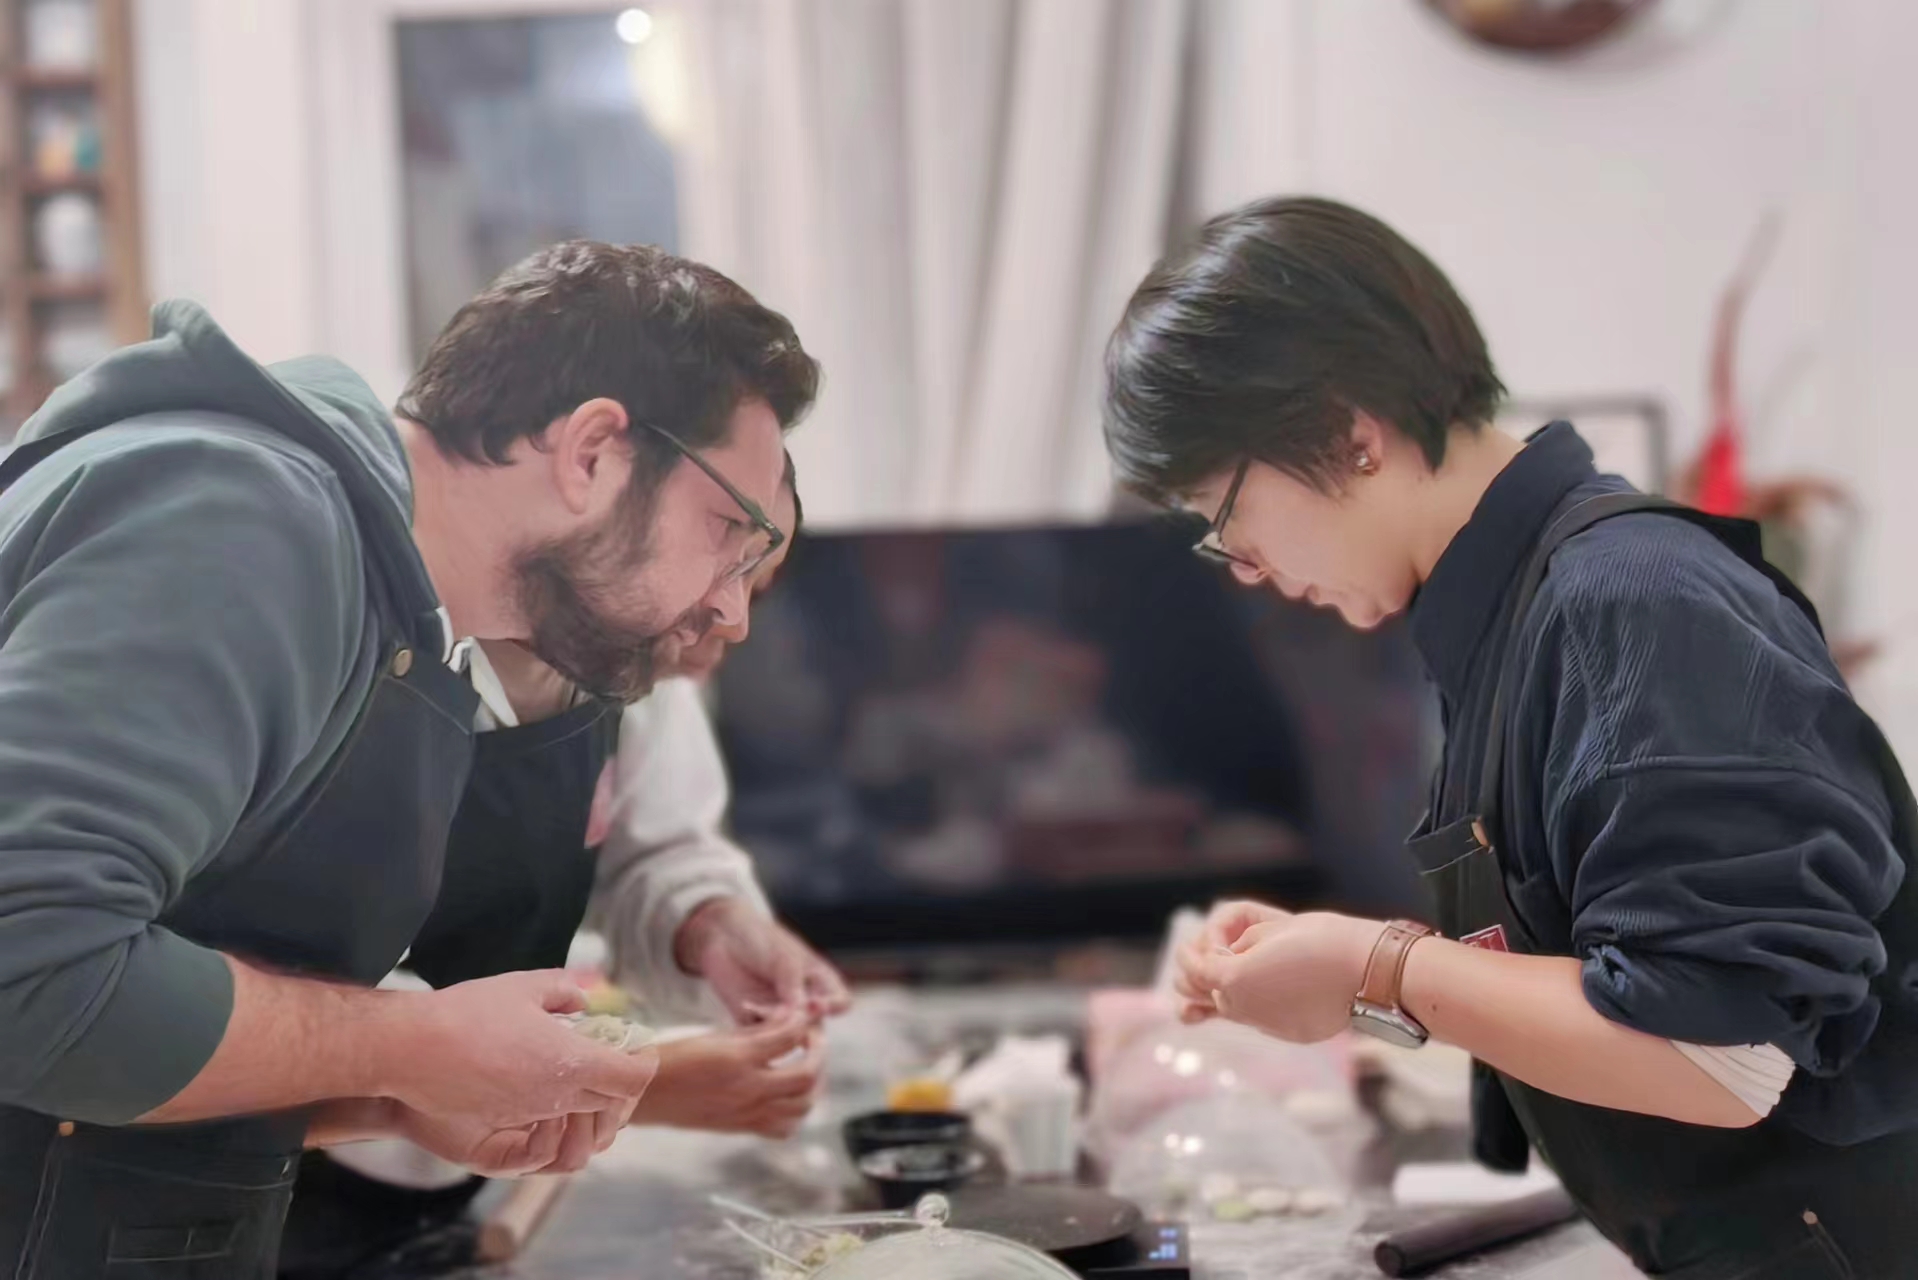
x=454 y=137
x=1630 y=435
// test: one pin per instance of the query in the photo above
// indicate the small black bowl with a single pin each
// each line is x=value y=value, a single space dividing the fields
x=902 y=1174
x=878 y=1130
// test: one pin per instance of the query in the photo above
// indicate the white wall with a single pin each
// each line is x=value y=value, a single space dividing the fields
x=1592 y=211
x=227 y=180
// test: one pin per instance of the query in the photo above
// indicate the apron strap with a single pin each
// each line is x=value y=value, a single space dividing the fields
x=1741 y=537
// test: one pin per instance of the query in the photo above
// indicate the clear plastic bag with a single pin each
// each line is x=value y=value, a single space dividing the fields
x=1166 y=1065
x=1232 y=1157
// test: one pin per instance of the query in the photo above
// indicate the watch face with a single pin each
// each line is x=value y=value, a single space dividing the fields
x=1388 y=1025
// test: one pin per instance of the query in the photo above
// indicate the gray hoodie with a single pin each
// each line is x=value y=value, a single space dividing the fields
x=186 y=636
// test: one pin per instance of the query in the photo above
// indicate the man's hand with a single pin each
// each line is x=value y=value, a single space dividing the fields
x=490 y=1054
x=561 y=1145
x=550 y=1146
x=757 y=967
x=760 y=1080
x=1291 y=976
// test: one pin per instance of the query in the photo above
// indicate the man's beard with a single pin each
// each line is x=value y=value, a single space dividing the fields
x=563 y=596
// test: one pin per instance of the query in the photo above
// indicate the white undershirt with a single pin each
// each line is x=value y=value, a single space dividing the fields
x=496 y=709
x=1756 y=1073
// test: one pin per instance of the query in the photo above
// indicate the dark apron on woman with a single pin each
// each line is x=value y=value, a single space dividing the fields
x=1764 y=1203
x=517 y=878
x=338 y=893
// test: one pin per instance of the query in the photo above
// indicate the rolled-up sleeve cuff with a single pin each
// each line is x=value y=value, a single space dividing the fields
x=1724 y=1004
x=677 y=903
x=642 y=923
x=156 y=1028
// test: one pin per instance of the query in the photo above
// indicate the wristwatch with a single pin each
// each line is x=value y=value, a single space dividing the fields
x=1376 y=1009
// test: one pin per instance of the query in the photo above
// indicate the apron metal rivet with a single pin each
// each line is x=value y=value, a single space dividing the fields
x=402 y=663
x=1811 y=1219
x=66 y=1128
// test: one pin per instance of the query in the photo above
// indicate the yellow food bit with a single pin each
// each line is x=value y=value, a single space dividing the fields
x=920 y=1095
x=605 y=998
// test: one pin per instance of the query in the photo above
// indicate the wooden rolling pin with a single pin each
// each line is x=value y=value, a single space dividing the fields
x=516 y=1219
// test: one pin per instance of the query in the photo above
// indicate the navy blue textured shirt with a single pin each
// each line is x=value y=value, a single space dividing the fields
x=1691 y=805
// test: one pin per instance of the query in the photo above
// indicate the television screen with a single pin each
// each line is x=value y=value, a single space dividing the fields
x=1061 y=732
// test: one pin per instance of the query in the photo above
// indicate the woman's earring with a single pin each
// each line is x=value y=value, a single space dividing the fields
x=1365 y=464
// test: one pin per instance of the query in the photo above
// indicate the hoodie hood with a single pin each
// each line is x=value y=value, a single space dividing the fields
x=319 y=404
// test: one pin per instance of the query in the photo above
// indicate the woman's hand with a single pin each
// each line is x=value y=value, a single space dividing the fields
x=757 y=967
x=1224 y=925
x=760 y=1080
x=1290 y=976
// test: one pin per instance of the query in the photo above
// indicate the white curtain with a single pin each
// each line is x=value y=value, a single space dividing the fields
x=952 y=200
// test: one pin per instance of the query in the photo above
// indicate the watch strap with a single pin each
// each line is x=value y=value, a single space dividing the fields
x=1385 y=970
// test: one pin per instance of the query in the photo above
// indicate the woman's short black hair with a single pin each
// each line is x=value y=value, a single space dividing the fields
x=1261 y=338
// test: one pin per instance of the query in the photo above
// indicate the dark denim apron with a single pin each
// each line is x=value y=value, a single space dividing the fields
x=337 y=893
x=517 y=880
x=1764 y=1203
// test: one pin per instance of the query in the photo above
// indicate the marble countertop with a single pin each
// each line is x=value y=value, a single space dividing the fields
x=643 y=1214
x=643 y=1211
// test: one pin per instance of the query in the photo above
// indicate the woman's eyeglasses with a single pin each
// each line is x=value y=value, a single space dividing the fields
x=1212 y=545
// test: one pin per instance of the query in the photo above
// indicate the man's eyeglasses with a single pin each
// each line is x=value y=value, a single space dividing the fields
x=1212 y=545
x=765 y=537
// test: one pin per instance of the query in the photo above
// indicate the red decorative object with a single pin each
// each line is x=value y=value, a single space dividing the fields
x=1717 y=481
x=1721 y=472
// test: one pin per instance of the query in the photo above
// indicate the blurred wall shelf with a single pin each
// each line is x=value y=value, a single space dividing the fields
x=72 y=284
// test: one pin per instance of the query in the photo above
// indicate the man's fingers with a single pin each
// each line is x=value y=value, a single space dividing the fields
x=502 y=1155
x=528 y=1150
x=606 y=1126
x=560 y=994
x=575 y=1144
